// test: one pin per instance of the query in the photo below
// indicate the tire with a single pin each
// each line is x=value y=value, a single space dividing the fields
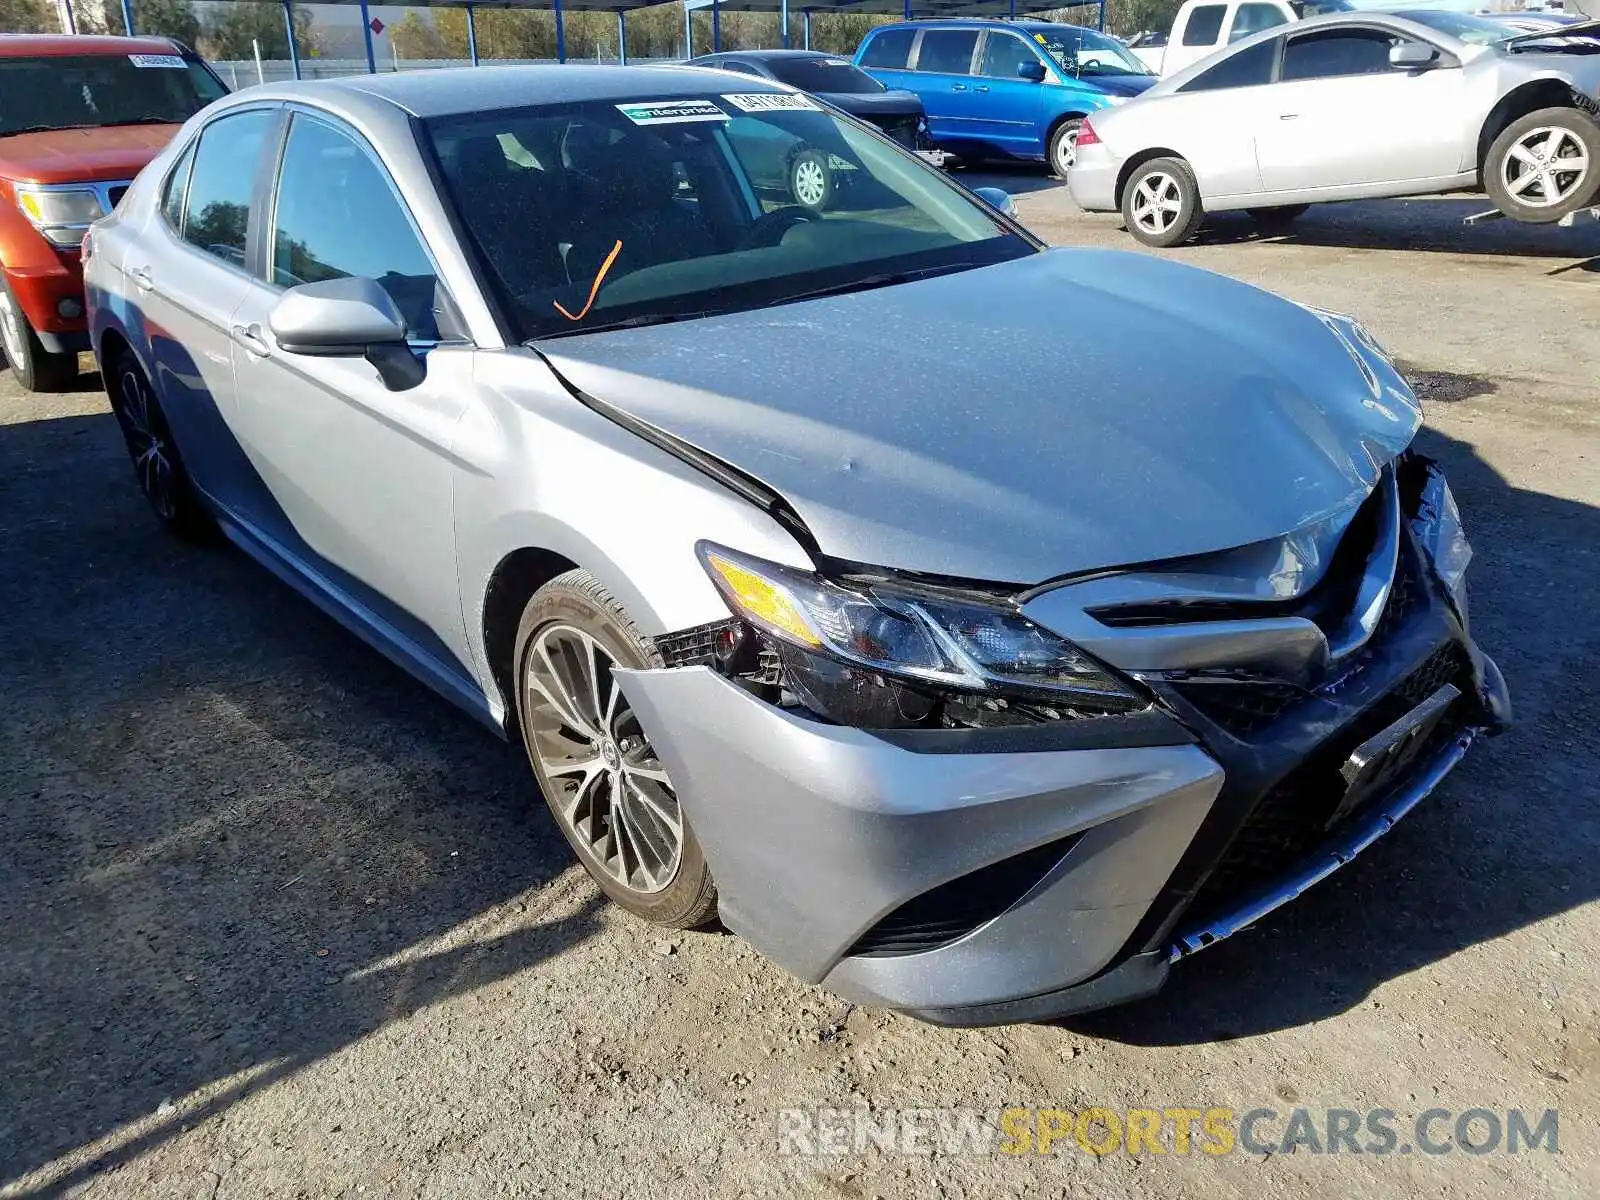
x=811 y=180
x=586 y=748
x=1062 y=150
x=1514 y=171
x=35 y=368
x=1161 y=203
x=1277 y=219
x=157 y=466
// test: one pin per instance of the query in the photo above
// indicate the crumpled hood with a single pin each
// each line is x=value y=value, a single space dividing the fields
x=1065 y=412
x=876 y=106
x=82 y=155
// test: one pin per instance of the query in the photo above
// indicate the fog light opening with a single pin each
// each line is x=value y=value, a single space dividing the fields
x=70 y=309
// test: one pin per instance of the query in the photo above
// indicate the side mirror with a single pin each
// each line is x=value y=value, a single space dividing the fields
x=1032 y=70
x=348 y=318
x=1413 y=56
x=997 y=198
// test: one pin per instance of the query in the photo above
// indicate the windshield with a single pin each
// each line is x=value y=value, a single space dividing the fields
x=837 y=75
x=1085 y=52
x=597 y=214
x=78 y=90
x=1475 y=31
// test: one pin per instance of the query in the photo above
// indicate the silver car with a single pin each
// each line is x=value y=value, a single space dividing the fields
x=867 y=579
x=1350 y=106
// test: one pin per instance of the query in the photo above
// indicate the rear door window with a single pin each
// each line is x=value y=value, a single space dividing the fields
x=1205 y=25
x=890 y=49
x=1248 y=68
x=947 y=51
x=217 y=213
x=1253 y=18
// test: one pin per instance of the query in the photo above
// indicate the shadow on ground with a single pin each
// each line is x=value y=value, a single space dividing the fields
x=1509 y=840
x=233 y=838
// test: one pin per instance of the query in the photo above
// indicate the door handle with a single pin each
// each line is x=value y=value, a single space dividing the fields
x=250 y=338
x=958 y=87
x=1288 y=116
x=141 y=278
x=982 y=87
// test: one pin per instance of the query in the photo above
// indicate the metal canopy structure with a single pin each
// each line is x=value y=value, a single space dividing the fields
x=906 y=9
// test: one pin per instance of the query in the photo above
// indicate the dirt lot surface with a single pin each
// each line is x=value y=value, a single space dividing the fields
x=276 y=922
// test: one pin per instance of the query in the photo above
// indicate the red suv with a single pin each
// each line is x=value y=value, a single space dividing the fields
x=79 y=118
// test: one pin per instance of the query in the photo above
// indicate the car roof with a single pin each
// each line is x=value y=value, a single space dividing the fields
x=976 y=23
x=770 y=55
x=481 y=89
x=54 y=45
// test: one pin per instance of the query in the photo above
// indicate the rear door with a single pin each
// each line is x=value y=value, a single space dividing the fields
x=186 y=276
x=1006 y=109
x=359 y=477
x=943 y=62
x=1341 y=116
x=886 y=56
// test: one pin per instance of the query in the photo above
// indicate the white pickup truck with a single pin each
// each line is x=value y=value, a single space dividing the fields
x=1202 y=26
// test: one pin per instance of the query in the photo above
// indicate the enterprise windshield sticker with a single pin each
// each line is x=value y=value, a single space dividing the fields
x=671 y=112
x=158 y=60
x=771 y=102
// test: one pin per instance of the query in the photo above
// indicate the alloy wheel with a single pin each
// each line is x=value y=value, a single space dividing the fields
x=612 y=792
x=1545 y=167
x=1157 y=203
x=11 y=330
x=146 y=437
x=810 y=182
x=1067 y=152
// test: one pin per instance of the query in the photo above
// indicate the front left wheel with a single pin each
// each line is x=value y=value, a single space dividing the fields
x=157 y=467
x=1063 y=150
x=609 y=792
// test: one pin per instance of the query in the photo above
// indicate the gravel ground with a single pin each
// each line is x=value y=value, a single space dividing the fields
x=275 y=922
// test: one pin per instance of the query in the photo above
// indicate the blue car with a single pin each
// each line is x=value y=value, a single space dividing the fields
x=1004 y=89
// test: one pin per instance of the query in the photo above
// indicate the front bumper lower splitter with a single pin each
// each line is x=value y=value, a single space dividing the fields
x=1355 y=838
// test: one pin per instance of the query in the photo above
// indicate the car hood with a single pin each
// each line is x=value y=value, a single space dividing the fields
x=1061 y=413
x=82 y=155
x=875 y=106
x=1121 y=85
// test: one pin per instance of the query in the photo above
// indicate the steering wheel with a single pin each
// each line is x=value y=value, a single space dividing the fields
x=768 y=229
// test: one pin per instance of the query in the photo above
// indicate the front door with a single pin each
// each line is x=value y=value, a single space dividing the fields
x=183 y=299
x=1006 y=107
x=1341 y=116
x=359 y=476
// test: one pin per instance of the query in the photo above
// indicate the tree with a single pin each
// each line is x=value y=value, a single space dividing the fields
x=26 y=16
x=229 y=33
x=416 y=38
x=168 y=18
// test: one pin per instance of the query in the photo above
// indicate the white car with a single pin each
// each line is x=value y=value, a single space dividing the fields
x=1350 y=106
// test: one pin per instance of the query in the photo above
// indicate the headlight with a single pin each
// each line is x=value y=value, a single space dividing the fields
x=60 y=213
x=1117 y=99
x=969 y=645
x=1438 y=529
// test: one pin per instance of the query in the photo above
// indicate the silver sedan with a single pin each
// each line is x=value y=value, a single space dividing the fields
x=1350 y=106
x=965 y=658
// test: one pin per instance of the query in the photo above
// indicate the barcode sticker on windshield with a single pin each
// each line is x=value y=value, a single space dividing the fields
x=158 y=60
x=671 y=112
x=771 y=101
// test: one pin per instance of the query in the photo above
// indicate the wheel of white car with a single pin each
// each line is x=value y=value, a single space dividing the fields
x=811 y=180
x=1161 y=203
x=1544 y=165
x=157 y=466
x=1064 y=146
x=610 y=795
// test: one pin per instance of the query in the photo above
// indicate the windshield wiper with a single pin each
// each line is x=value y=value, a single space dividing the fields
x=868 y=282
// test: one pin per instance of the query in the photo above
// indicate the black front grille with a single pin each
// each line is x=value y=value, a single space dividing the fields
x=953 y=910
x=1291 y=818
